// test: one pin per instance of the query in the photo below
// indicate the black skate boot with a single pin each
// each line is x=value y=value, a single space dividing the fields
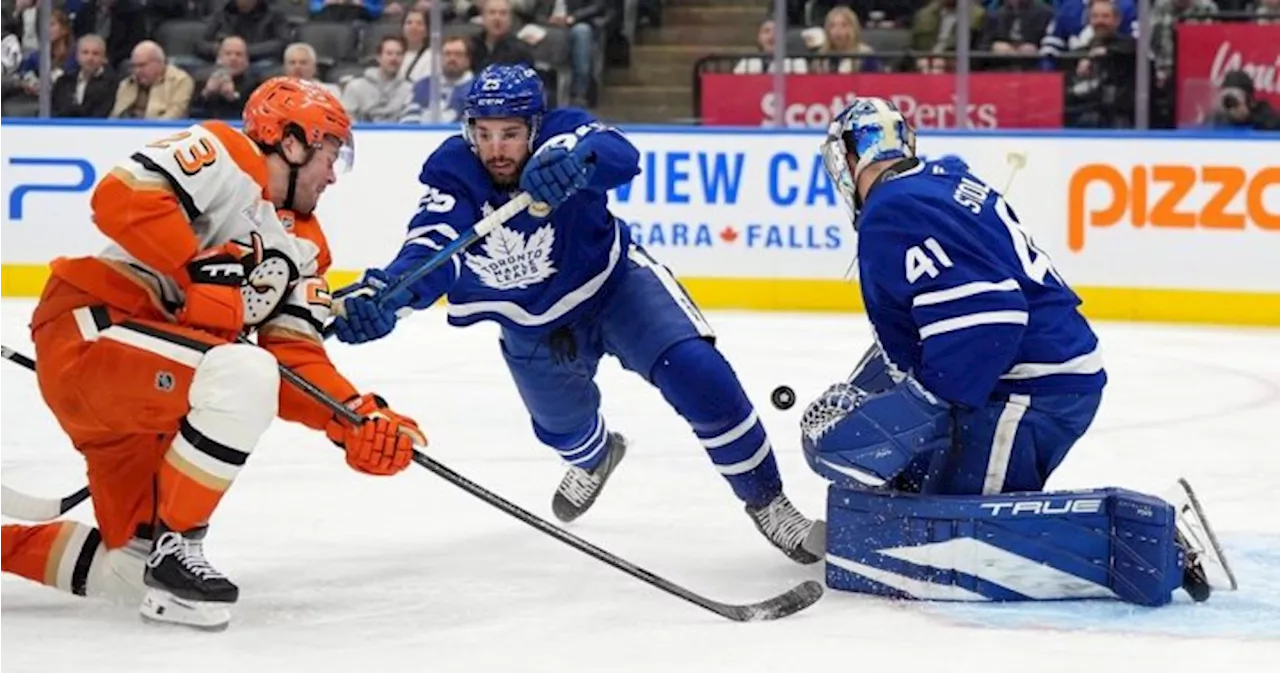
x=580 y=488
x=802 y=540
x=182 y=588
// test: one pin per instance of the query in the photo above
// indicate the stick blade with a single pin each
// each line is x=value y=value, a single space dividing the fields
x=782 y=605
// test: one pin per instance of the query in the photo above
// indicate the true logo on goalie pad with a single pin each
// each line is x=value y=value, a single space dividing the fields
x=1034 y=507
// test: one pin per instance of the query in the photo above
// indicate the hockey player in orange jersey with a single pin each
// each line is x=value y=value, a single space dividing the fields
x=137 y=356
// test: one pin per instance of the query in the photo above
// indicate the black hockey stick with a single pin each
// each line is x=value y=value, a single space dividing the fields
x=798 y=598
x=18 y=505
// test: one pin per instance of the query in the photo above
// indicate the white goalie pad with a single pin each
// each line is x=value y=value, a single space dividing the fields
x=1201 y=542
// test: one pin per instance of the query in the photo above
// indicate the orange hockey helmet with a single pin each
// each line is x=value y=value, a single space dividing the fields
x=287 y=105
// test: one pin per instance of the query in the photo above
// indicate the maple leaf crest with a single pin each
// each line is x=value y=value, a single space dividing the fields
x=510 y=262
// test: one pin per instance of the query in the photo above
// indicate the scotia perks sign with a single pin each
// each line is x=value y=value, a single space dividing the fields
x=996 y=100
x=1207 y=52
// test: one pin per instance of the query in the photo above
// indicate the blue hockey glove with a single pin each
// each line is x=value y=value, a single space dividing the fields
x=365 y=310
x=556 y=173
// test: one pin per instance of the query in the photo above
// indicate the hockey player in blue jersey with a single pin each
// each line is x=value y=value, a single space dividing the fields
x=983 y=376
x=568 y=289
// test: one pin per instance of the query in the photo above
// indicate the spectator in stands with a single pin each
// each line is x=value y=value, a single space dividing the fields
x=24 y=14
x=90 y=91
x=455 y=75
x=1017 y=28
x=1267 y=11
x=1102 y=85
x=579 y=18
x=300 y=61
x=346 y=11
x=497 y=44
x=11 y=46
x=121 y=23
x=223 y=94
x=1165 y=17
x=264 y=29
x=934 y=29
x=62 y=55
x=380 y=94
x=842 y=37
x=417 y=54
x=766 y=40
x=154 y=90
x=1070 y=29
x=1239 y=109
x=871 y=13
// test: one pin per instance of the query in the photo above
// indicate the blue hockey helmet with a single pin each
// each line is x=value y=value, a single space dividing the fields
x=871 y=130
x=505 y=91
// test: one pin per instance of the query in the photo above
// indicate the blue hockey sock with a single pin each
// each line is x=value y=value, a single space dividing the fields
x=583 y=447
x=698 y=382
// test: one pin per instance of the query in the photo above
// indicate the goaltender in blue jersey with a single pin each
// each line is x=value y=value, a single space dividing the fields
x=983 y=376
x=567 y=289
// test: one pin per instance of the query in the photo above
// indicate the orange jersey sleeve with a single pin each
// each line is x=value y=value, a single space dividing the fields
x=151 y=204
x=309 y=360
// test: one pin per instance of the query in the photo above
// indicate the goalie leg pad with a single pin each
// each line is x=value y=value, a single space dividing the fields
x=1102 y=543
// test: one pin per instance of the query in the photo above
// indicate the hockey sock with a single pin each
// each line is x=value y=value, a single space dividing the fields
x=582 y=447
x=698 y=382
x=233 y=398
x=57 y=554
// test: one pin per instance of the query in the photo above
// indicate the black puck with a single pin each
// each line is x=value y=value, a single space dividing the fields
x=783 y=397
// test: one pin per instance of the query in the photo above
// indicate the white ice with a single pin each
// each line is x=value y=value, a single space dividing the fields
x=341 y=572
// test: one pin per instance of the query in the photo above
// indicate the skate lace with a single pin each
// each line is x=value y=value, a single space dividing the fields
x=578 y=485
x=784 y=524
x=190 y=553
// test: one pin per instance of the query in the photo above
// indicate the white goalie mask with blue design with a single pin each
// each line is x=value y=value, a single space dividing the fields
x=869 y=130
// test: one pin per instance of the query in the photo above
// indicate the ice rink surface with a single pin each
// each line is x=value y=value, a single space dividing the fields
x=341 y=572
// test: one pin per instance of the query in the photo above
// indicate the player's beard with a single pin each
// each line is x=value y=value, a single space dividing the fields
x=510 y=176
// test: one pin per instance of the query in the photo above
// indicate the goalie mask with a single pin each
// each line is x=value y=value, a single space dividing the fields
x=869 y=130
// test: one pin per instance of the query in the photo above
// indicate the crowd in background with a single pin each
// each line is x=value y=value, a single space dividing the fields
x=1091 y=41
x=171 y=59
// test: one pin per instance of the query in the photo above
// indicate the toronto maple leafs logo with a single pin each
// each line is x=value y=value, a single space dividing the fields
x=511 y=262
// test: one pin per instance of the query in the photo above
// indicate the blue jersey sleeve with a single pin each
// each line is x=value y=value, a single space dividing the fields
x=617 y=160
x=448 y=208
x=968 y=311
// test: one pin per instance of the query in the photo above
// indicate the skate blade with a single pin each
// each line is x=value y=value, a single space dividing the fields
x=816 y=541
x=162 y=607
x=1194 y=526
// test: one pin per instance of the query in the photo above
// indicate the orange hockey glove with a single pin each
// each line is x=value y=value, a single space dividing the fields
x=383 y=444
x=211 y=281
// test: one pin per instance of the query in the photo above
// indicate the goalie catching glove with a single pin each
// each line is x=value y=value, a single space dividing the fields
x=381 y=445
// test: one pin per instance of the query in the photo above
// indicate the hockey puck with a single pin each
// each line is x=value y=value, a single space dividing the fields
x=783 y=397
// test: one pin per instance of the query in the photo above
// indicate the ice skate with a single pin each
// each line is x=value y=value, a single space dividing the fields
x=580 y=488
x=1206 y=569
x=182 y=588
x=803 y=540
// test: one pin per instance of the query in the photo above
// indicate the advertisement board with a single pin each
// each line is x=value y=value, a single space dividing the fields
x=1163 y=226
x=996 y=100
x=1208 y=51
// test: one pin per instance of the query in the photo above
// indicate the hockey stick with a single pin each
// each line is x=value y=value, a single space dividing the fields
x=19 y=505
x=788 y=603
x=481 y=229
x=1017 y=161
